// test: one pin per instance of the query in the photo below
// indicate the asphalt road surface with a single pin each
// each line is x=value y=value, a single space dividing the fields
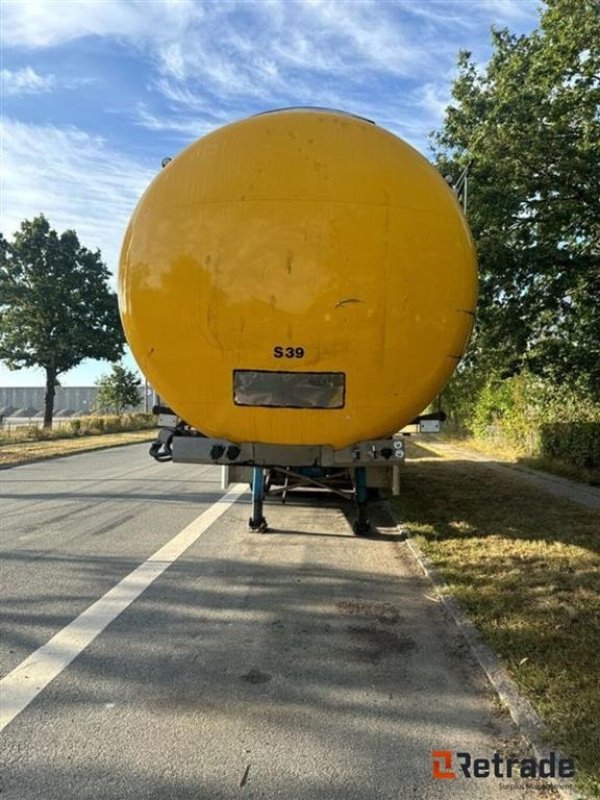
x=301 y=663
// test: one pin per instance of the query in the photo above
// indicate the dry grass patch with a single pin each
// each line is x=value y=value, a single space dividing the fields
x=16 y=453
x=509 y=453
x=525 y=567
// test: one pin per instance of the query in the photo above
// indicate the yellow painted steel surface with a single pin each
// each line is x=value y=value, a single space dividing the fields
x=303 y=229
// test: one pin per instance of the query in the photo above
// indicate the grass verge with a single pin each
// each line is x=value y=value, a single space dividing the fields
x=525 y=567
x=15 y=453
x=561 y=468
x=504 y=451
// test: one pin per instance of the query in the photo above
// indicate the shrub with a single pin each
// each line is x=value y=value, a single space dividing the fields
x=36 y=432
x=82 y=426
x=576 y=443
x=75 y=426
x=533 y=417
x=115 y=424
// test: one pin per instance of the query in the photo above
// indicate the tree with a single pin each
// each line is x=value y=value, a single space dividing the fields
x=529 y=127
x=56 y=307
x=118 y=390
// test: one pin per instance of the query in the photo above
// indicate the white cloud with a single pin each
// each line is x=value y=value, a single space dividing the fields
x=439 y=14
x=47 y=23
x=465 y=16
x=236 y=46
x=186 y=127
x=25 y=81
x=291 y=53
x=434 y=98
x=74 y=179
x=510 y=11
x=320 y=41
x=369 y=31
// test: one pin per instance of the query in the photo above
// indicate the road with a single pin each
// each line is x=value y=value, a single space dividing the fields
x=301 y=663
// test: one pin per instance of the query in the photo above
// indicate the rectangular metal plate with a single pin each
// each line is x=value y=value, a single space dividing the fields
x=429 y=426
x=167 y=420
x=375 y=452
x=272 y=389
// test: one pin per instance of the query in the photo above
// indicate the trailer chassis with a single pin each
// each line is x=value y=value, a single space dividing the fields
x=366 y=465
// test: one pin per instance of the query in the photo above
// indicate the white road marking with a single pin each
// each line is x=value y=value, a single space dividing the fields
x=32 y=676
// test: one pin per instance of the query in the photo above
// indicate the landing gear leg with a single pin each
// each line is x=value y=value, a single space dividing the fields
x=257 y=522
x=362 y=526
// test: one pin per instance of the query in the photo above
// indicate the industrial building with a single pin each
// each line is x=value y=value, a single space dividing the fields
x=26 y=402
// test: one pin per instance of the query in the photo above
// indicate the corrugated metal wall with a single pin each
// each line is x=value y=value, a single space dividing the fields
x=75 y=399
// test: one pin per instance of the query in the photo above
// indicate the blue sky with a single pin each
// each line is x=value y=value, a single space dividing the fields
x=95 y=93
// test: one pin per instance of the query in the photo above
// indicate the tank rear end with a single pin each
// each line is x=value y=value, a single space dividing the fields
x=301 y=277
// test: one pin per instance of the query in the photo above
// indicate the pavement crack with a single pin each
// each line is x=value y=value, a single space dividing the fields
x=244 y=780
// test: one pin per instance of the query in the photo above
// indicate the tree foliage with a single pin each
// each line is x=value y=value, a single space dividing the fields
x=118 y=390
x=56 y=307
x=528 y=123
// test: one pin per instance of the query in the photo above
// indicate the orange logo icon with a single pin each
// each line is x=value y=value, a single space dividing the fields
x=442 y=764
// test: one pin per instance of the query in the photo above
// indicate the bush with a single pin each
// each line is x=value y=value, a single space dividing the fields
x=36 y=432
x=577 y=443
x=528 y=415
x=115 y=424
x=82 y=426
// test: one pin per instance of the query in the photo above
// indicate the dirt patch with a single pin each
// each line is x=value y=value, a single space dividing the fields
x=384 y=613
x=256 y=677
x=376 y=643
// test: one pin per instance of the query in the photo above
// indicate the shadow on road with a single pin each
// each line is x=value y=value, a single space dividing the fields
x=331 y=680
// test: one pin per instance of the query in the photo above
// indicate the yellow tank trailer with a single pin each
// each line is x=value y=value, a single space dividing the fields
x=300 y=278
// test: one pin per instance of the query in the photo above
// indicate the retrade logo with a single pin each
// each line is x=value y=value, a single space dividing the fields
x=442 y=762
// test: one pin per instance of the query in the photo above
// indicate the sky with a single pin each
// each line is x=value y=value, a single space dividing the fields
x=95 y=93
